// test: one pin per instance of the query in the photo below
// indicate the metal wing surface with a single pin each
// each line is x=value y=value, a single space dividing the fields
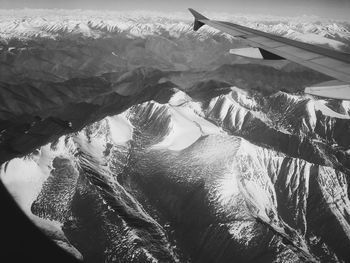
x=329 y=62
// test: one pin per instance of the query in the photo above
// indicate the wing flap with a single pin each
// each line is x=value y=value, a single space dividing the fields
x=298 y=52
x=331 y=89
x=257 y=53
x=265 y=41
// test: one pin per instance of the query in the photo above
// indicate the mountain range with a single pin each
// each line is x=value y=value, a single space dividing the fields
x=131 y=138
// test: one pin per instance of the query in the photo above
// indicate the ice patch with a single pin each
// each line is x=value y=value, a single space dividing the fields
x=227 y=189
x=121 y=129
x=179 y=98
x=183 y=132
x=186 y=128
x=23 y=178
x=95 y=146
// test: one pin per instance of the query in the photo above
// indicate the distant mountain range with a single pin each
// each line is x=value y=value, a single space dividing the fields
x=95 y=24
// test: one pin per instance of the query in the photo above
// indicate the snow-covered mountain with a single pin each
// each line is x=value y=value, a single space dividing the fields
x=232 y=169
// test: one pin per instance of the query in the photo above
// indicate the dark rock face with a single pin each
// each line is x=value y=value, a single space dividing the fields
x=150 y=156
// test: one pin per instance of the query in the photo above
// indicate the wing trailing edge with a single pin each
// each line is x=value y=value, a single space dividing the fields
x=257 y=53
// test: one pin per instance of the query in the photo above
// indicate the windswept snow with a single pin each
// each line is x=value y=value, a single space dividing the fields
x=186 y=124
x=121 y=129
x=186 y=128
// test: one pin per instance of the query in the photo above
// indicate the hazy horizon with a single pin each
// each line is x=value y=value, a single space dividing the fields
x=336 y=9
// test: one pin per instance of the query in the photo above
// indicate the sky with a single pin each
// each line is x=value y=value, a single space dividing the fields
x=336 y=9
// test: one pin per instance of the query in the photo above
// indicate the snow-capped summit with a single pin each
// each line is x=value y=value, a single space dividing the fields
x=28 y=23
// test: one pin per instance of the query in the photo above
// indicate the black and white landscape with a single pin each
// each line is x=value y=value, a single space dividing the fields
x=128 y=137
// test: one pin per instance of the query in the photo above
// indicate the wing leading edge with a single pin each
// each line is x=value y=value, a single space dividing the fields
x=329 y=62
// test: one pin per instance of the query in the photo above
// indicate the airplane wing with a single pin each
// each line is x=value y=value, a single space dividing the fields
x=329 y=62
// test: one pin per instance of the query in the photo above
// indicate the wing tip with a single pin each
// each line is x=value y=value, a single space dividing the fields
x=197 y=16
